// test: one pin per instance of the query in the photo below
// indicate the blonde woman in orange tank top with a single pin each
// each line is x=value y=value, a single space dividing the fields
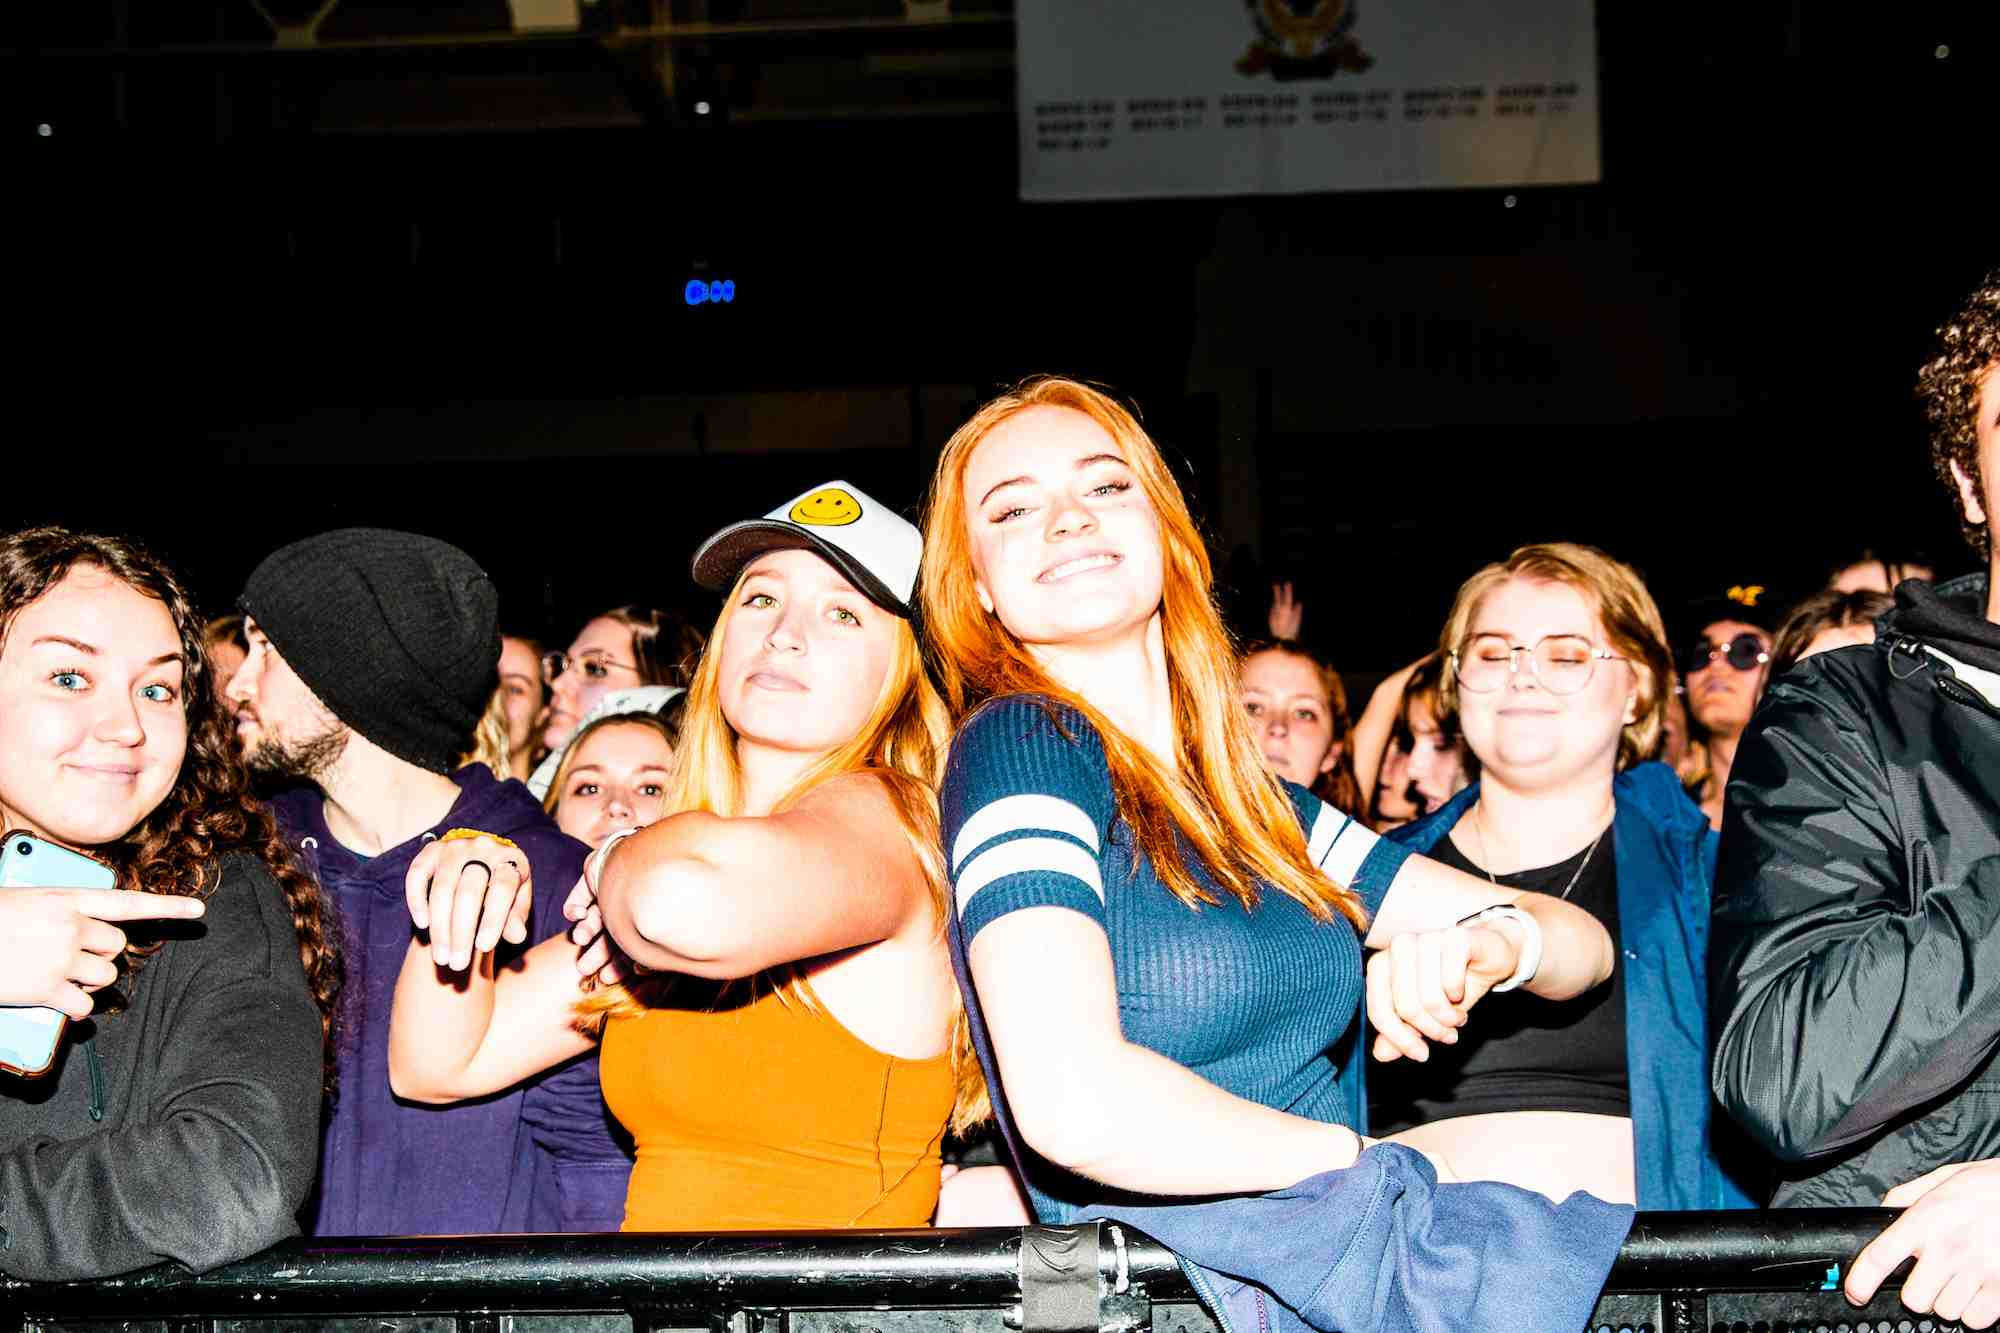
x=782 y=1034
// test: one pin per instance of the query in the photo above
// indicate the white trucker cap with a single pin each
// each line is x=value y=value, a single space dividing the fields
x=876 y=549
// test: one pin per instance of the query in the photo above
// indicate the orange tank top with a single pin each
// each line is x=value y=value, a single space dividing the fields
x=752 y=1110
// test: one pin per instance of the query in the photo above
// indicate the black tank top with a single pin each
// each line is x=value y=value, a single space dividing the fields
x=1520 y=1052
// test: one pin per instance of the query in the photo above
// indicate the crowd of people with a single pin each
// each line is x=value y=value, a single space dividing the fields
x=973 y=874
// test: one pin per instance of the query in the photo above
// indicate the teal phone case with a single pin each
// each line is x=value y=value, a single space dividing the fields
x=30 y=1035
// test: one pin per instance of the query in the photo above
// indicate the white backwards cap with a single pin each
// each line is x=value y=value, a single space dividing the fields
x=872 y=546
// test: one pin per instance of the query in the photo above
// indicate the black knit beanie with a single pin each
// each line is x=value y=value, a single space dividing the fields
x=398 y=634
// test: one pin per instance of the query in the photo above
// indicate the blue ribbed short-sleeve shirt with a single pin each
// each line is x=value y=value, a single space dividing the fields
x=1252 y=1000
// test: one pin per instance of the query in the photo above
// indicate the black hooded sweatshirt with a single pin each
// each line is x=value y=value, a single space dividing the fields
x=184 y=1127
x=1854 y=968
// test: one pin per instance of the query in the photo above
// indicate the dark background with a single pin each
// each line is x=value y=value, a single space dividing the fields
x=429 y=274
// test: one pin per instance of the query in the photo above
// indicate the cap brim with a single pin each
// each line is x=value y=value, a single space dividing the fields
x=722 y=557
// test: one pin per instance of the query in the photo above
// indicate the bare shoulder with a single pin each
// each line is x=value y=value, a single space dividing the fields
x=871 y=794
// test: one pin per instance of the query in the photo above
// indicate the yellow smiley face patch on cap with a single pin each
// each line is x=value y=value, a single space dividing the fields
x=828 y=507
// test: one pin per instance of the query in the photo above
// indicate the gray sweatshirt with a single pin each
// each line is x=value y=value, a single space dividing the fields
x=186 y=1126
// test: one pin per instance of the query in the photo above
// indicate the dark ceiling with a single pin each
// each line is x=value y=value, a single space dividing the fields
x=414 y=244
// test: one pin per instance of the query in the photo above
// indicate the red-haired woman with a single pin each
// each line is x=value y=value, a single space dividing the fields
x=1164 y=939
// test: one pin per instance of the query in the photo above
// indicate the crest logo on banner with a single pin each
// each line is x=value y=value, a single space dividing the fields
x=1303 y=39
x=1122 y=99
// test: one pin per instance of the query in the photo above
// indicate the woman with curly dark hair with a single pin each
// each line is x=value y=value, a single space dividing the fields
x=181 y=1119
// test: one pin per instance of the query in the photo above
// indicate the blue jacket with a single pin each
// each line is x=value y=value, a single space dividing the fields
x=1666 y=874
x=542 y=1156
x=1382 y=1247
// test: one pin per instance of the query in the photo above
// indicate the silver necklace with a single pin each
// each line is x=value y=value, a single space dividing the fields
x=1479 y=831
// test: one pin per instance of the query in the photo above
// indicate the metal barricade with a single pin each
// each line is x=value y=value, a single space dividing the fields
x=1770 y=1272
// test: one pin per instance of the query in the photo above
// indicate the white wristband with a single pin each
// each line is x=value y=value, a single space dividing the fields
x=1530 y=959
x=595 y=874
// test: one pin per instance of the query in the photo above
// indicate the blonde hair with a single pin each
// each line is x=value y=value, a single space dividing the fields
x=1219 y=796
x=489 y=738
x=1616 y=595
x=559 y=784
x=902 y=742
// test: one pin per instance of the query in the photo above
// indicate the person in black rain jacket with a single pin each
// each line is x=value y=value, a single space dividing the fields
x=1855 y=960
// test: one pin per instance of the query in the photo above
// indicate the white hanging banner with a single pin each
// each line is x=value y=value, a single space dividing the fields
x=1134 y=99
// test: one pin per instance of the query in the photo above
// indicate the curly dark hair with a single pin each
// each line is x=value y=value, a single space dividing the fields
x=1948 y=387
x=210 y=811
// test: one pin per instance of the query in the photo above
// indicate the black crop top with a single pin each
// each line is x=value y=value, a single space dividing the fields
x=1519 y=1052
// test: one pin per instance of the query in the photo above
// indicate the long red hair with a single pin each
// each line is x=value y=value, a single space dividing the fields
x=1219 y=796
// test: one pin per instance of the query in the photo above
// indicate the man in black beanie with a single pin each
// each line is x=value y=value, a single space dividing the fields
x=372 y=656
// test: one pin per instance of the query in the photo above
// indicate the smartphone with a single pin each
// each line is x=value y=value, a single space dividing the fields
x=31 y=1034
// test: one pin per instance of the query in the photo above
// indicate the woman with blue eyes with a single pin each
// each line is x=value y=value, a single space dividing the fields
x=782 y=1034
x=163 y=1103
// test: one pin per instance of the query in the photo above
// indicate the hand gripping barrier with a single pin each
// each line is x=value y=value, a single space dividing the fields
x=1769 y=1272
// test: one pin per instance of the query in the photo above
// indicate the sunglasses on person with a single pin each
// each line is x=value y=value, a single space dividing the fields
x=595 y=666
x=1745 y=652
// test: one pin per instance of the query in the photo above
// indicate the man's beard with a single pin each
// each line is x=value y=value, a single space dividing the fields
x=305 y=759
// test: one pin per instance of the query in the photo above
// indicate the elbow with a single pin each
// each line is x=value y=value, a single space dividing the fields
x=1063 y=1124
x=1784 y=1141
x=258 y=1209
x=240 y=1238
x=1072 y=1146
x=409 y=1082
x=264 y=1223
x=685 y=922
x=1765 y=1106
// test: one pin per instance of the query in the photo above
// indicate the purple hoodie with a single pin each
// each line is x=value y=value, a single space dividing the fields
x=542 y=1156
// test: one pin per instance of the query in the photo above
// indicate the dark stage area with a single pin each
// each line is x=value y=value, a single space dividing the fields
x=432 y=273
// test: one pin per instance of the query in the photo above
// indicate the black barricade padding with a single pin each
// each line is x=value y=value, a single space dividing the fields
x=1059 y=1283
x=1767 y=1272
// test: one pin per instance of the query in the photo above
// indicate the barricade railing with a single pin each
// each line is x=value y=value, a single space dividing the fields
x=1768 y=1272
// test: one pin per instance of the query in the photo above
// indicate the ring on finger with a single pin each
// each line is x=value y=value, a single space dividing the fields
x=481 y=864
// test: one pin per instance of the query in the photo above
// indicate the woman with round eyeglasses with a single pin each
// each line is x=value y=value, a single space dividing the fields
x=1558 y=672
x=626 y=647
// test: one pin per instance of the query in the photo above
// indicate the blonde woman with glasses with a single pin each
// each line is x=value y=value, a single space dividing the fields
x=1558 y=674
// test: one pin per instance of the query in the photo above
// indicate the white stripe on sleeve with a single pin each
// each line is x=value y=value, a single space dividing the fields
x=1351 y=846
x=1326 y=827
x=1011 y=814
x=1053 y=854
